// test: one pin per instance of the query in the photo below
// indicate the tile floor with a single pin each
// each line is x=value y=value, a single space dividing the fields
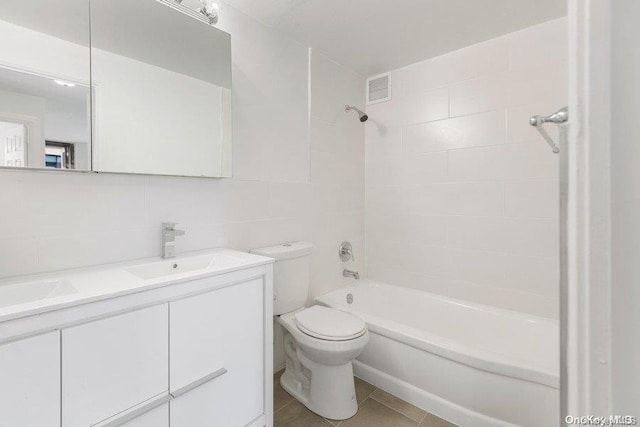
x=377 y=409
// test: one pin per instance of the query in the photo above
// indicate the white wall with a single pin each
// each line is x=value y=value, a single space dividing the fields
x=66 y=122
x=461 y=193
x=102 y=218
x=8 y=132
x=337 y=171
x=27 y=109
x=625 y=211
x=38 y=52
x=335 y=204
x=21 y=105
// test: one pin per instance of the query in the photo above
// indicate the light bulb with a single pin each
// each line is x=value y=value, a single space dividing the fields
x=210 y=9
x=64 y=83
x=210 y=6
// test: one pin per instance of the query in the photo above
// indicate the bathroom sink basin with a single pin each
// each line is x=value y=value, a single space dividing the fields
x=183 y=265
x=23 y=293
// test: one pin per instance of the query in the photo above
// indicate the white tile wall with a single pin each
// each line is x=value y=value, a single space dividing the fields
x=461 y=132
x=337 y=171
x=478 y=95
x=480 y=59
x=270 y=89
x=422 y=107
x=283 y=189
x=461 y=193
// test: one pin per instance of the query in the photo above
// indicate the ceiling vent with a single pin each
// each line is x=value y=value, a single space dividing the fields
x=379 y=88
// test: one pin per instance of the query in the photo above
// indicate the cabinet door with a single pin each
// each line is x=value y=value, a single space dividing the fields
x=111 y=365
x=217 y=364
x=30 y=378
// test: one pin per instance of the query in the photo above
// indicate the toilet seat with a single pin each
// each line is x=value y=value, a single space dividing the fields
x=329 y=324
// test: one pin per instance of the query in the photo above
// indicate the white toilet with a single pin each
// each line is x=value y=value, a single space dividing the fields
x=320 y=342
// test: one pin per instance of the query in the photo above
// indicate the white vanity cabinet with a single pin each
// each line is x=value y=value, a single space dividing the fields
x=217 y=354
x=188 y=351
x=30 y=379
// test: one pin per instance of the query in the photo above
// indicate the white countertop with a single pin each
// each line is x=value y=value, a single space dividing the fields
x=112 y=280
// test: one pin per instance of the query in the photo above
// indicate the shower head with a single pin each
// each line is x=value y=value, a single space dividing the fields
x=363 y=116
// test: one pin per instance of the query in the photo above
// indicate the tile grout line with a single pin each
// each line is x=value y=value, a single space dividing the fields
x=363 y=400
x=423 y=418
x=398 y=412
x=369 y=395
x=285 y=405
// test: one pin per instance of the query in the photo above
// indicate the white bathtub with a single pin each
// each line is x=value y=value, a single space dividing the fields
x=471 y=364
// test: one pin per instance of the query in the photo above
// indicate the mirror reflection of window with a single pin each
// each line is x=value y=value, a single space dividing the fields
x=43 y=108
x=59 y=155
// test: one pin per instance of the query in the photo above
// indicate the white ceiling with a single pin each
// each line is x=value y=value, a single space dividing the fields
x=43 y=87
x=372 y=36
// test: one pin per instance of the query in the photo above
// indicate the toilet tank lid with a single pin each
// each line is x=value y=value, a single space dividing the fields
x=285 y=250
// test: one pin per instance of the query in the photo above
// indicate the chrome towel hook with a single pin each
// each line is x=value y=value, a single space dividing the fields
x=559 y=117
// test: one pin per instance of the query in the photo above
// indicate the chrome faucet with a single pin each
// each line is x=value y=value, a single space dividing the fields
x=349 y=273
x=169 y=234
x=345 y=252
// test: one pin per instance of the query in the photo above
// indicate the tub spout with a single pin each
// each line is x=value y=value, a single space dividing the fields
x=349 y=273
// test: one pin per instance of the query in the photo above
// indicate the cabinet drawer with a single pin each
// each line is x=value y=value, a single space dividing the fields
x=217 y=349
x=111 y=365
x=30 y=378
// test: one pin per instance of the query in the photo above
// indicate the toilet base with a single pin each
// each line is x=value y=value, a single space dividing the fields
x=329 y=391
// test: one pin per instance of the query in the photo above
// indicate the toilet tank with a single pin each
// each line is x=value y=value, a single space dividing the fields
x=290 y=274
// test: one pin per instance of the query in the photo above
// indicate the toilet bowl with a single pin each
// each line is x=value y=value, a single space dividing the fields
x=320 y=344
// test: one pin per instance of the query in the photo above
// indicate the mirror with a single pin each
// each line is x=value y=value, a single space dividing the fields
x=45 y=84
x=151 y=95
x=161 y=90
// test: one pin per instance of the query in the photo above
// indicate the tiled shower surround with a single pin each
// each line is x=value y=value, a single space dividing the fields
x=461 y=193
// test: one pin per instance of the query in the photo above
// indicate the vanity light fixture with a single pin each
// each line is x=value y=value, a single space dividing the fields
x=64 y=83
x=210 y=10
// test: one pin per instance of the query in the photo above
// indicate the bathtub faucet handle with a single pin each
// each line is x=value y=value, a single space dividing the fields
x=345 y=252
